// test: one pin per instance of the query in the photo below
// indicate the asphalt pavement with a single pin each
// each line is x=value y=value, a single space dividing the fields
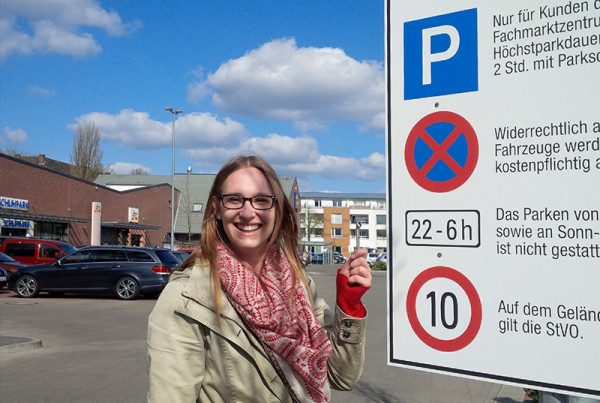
x=92 y=349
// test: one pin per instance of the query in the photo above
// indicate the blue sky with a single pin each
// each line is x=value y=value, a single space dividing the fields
x=300 y=83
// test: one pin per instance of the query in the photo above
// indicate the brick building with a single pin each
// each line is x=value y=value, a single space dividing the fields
x=40 y=202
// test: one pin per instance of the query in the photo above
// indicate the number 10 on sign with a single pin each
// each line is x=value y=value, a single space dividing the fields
x=444 y=309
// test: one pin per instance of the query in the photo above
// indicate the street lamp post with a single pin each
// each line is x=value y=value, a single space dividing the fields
x=173 y=113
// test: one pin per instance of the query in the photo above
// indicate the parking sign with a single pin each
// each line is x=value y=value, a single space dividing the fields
x=440 y=55
x=493 y=147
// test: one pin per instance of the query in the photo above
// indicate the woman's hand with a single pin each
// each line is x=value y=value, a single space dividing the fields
x=352 y=281
x=357 y=269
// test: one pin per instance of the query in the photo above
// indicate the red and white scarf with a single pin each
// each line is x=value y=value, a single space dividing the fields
x=290 y=329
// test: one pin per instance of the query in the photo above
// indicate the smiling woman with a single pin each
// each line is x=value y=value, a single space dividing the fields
x=248 y=227
x=241 y=307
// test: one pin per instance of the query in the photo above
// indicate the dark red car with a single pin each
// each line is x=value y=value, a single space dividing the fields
x=9 y=264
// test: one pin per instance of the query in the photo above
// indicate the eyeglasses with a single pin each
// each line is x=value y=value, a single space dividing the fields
x=236 y=202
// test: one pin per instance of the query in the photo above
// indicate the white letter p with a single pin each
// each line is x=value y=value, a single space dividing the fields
x=429 y=57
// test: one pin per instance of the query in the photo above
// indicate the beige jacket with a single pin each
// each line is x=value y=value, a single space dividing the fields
x=190 y=358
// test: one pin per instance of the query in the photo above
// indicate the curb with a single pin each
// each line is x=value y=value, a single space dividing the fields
x=9 y=345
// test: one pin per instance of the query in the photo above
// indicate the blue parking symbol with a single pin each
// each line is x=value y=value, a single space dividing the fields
x=440 y=55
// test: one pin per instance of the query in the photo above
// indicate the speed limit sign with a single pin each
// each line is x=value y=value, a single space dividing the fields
x=441 y=309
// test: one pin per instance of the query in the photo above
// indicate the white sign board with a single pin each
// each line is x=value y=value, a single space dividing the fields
x=96 y=232
x=12 y=203
x=134 y=214
x=494 y=190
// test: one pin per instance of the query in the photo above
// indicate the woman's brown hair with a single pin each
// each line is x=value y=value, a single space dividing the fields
x=285 y=231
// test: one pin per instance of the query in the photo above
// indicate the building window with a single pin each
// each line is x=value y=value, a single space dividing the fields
x=381 y=234
x=48 y=230
x=318 y=232
x=336 y=232
x=317 y=203
x=336 y=218
x=364 y=233
x=381 y=219
x=337 y=203
x=363 y=219
x=197 y=207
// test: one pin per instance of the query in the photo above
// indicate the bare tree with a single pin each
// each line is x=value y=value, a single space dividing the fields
x=310 y=221
x=87 y=155
x=139 y=171
x=10 y=151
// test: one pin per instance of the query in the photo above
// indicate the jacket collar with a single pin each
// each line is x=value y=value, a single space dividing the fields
x=198 y=288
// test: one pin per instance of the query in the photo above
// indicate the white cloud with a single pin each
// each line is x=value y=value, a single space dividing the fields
x=372 y=167
x=203 y=129
x=54 y=26
x=52 y=38
x=16 y=136
x=282 y=150
x=139 y=131
x=211 y=156
x=197 y=91
x=125 y=168
x=130 y=128
x=209 y=141
x=375 y=124
x=291 y=156
x=12 y=40
x=328 y=166
x=39 y=92
x=308 y=86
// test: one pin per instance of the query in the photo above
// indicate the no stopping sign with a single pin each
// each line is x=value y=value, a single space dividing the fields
x=444 y=309
x=441 y=151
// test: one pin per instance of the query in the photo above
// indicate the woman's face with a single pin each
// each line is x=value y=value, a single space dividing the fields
x=247 y=228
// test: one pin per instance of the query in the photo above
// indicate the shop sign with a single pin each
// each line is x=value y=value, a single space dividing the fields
x=17 y=204
x=134 y=214
x=15 y=223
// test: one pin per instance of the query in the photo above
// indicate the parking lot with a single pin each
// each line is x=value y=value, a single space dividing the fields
x=94 y=351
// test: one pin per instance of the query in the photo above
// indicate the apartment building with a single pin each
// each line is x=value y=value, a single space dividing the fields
x=339 y=222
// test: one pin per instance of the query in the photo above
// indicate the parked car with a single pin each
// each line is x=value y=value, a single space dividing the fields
x=9 y=264
x=382 y=258
x=316 y=258
x=3 y=277
x=125 y=271
x=35 y=251
x=181 y=256
x=371 y=258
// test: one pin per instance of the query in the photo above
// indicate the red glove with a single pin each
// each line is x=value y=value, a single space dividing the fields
x=348 y=297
